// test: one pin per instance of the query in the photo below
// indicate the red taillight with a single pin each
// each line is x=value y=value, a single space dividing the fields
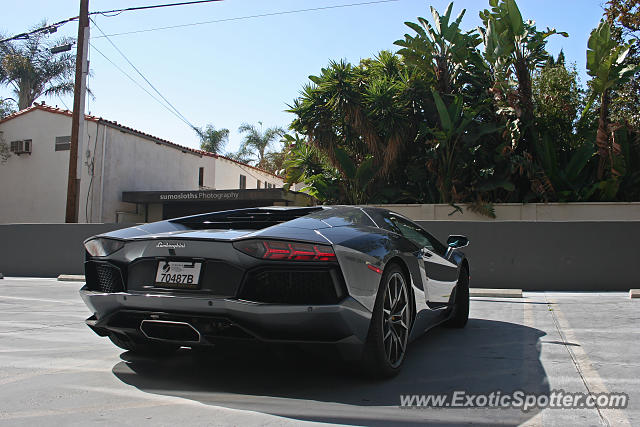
x=286 y=251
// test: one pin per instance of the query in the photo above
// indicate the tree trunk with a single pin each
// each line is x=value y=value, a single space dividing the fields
x=443 y=77
x=25 y=97
x=602 y=137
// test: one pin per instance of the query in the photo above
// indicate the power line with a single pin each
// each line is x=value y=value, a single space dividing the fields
x=52 y=28
x=144 y=78
x=46 y=29
x=130 y=9
x=161 y=103
x=63 y=103
x=138 y=84
x=262 y=15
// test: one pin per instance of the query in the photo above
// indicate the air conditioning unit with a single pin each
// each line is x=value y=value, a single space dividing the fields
x=21 y=147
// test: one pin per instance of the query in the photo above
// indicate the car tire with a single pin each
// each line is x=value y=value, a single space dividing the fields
x=145 y=348
x=460 y=311
x=388 y=336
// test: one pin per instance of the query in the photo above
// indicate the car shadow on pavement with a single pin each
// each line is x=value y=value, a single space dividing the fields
x=484 y=357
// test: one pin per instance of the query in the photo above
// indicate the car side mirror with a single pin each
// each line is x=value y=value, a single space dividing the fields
x=456 y=241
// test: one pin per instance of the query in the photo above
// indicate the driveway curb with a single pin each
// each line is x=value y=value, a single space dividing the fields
x=495 y=293
x=71 y=278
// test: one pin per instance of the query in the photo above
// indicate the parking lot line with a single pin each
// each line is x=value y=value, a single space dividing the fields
x=57 y=301
x=588 y=374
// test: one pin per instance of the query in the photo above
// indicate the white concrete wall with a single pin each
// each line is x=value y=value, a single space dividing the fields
x=592 y=211
x=135 y=163
x=228 y=176
x=33 y=187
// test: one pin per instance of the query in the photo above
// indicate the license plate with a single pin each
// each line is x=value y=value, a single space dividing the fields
x=183 y=275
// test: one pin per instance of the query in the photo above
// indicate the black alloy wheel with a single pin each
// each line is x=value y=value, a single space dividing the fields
x=390 y=325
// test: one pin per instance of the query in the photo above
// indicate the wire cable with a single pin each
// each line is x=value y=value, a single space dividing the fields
x=137 y=83
x=168 y=109
x=52 y=28
x=116 y=12
x=239 y=18
x=63 y=103
x=184 y=119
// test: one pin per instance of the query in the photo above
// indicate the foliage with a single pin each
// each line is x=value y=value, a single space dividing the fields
x=626 y=14
x=29 y=67
x=6 y=108
x=364 y=109
x=213 y=140
x=481 y=116
x=557 y=99
x=625 y=101
x=606 y=64
x=442 y=51
x=255 y=145
x=4 y=150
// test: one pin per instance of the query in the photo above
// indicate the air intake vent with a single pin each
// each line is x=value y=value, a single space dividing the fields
x=103 y=277
x=301 y=287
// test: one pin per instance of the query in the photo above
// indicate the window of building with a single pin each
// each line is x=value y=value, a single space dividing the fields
x=243 y=182
x=201 y=177
x=258 y=185
x=63 y=143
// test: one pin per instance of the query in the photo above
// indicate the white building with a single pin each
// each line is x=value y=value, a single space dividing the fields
x=127 y=175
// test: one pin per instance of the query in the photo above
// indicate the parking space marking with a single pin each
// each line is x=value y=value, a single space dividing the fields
x=57 y=301
x=588 y=374
x=95 y=408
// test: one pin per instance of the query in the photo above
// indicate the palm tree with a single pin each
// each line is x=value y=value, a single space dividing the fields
x=213 y=140
x=33 y=71
x=257 y=141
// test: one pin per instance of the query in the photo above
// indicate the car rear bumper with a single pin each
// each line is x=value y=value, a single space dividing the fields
x=344 y=325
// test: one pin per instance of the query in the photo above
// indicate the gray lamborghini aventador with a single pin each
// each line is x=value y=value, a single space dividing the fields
x=364 y=281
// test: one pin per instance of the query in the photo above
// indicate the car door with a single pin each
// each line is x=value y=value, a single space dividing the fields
x=441 y=274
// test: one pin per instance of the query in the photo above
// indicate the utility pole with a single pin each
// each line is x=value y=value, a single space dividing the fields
x=77 y=121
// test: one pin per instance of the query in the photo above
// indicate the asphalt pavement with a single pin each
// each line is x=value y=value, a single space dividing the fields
x=55 y=371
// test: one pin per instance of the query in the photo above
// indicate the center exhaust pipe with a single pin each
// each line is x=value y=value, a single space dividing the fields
x=166 y=330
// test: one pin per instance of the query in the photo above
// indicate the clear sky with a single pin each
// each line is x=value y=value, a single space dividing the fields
x=248 y=70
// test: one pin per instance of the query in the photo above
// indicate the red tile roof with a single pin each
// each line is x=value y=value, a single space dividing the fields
x=43 y=107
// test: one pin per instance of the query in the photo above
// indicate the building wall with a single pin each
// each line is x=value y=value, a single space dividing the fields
x=228 y=176
x=33 y=187
x=134 y=163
